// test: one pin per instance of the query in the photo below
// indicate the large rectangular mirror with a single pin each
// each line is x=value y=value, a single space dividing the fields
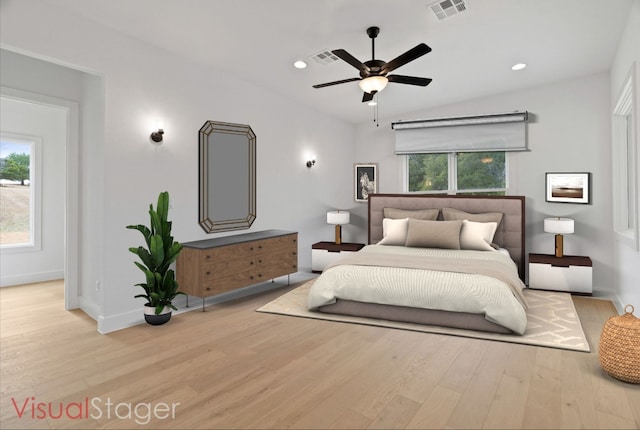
x=227 y=176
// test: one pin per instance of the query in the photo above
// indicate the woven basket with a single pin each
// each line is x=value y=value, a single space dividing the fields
x=619 y=347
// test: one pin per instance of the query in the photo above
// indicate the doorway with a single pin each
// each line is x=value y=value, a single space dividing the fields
x=54 y=123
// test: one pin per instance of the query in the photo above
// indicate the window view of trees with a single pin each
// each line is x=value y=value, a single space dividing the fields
x=481 y=170
x=465 y=172
x=15 y=193
x=16 y=168
x=428 y=172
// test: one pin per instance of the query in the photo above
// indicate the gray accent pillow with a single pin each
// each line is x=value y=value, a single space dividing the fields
x=450 y=214
x=426 y=214
x=434 y=234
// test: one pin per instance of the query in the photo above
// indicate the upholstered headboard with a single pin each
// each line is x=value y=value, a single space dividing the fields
x=510 y=233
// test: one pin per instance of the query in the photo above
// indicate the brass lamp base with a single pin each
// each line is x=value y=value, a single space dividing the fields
x=559 y=245
x=338 y=234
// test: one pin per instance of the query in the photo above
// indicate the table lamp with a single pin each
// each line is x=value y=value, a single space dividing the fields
x=559 y=226
x=338 y=218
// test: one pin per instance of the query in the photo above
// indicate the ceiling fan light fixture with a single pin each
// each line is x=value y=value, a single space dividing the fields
x=373 y=84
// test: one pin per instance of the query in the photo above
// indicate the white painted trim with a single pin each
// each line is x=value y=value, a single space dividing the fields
x=625 y=167
x=35 y=184
x=135 y=317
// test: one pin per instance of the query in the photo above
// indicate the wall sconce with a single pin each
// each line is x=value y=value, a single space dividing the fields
x=156 y=135
x=311 y=163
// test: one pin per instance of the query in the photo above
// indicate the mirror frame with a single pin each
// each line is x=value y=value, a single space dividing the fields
x=206 y=144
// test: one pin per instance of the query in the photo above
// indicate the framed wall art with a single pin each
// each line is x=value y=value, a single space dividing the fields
x=568 y=187
x=365 y=181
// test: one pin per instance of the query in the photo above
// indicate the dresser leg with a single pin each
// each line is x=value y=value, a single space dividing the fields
x=187 y=300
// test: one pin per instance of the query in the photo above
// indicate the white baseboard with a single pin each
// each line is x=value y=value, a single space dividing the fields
x=30 y=278
x=89 y=308
x=135 y=317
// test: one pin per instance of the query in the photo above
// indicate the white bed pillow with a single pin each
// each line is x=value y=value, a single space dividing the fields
x=394 y=231
x=477 y=235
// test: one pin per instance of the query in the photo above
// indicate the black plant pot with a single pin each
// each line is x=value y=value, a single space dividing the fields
x=152 y=318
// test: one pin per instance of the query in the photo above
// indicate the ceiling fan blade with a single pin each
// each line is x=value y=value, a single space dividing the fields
x=328 y=84
x=411 y=80
x=367 y=97
x=413 y=53
x=344 y=55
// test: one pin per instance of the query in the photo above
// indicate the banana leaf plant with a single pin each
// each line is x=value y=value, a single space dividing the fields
x=161 y=251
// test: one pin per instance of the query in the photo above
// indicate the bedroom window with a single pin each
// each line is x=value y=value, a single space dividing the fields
x=18 y=191
x=482 y=173
x=625 y=166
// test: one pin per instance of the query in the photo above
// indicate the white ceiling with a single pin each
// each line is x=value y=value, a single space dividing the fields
x=472 y=55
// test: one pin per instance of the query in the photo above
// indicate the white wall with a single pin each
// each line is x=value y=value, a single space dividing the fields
x=143 y=84
x=46 y=261
x=626 y=261
x=570 y=131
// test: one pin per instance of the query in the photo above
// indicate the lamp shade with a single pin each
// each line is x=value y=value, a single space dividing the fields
x=373 y=83
x=558 y=225
x=338 y=217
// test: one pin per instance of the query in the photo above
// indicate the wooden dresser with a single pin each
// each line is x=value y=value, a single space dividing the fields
x=213 y=266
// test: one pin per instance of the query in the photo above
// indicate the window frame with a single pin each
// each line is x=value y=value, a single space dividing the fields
x=35 y=199
x=452 y=177
x=626 y=181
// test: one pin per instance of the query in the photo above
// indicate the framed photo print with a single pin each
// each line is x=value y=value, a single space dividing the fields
x=365 y=181
x=568 y=187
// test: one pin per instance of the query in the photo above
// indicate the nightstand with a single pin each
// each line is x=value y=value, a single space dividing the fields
x=570 y=273
x=325 y=253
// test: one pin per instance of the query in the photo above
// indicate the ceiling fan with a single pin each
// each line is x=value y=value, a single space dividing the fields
x=374 y=74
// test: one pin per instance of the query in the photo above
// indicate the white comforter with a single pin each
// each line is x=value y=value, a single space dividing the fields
x=430 y=289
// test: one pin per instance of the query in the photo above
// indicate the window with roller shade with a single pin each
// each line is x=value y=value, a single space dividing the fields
x=463 y=155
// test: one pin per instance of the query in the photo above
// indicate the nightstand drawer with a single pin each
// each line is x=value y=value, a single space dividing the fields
x=325 y=253
x=574 y=279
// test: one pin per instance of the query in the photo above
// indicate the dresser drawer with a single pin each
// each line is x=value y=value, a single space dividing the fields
x=223 y=268
x=229 y=252
x=276 y=264
x=228 y=283
x=289 y=242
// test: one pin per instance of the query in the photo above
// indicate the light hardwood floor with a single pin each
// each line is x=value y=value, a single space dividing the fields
x=232 y=367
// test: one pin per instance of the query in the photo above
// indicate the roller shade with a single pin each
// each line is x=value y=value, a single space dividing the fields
x=501 y=132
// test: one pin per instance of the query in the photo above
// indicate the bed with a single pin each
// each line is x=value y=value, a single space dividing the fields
x=454 y=261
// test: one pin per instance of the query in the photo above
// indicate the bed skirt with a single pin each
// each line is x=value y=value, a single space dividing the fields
x=463 y=320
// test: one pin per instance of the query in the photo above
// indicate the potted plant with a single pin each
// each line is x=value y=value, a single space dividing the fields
x=161 y=286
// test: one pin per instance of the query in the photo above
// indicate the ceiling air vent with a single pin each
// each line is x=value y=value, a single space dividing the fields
x=446 y=8
x=324 y=57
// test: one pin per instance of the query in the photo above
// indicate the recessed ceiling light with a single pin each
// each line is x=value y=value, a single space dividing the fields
x=518 y=66
x=300 y=64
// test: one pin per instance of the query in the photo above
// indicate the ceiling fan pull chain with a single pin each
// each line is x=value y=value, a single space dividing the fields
x=375 y=112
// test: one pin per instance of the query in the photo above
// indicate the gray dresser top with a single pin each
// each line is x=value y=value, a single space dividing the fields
x=235 y=239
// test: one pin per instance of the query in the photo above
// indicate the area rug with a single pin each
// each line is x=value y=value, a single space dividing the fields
x=552 y=320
